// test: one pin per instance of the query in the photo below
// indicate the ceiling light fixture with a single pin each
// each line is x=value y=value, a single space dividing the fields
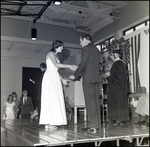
x=33 y=33
x=57 y=3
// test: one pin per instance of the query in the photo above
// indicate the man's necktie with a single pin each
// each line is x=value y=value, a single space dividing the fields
x=25 y=100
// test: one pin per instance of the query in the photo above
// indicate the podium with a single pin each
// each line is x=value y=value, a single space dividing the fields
x=75 y=94
x=75 y=91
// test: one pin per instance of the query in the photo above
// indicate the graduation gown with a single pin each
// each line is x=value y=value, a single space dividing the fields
x=118 y=108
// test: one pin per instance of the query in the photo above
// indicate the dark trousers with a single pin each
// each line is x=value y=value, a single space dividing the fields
x=25 y=116
x=92 y=102
x=39 y=107
x=39 y=100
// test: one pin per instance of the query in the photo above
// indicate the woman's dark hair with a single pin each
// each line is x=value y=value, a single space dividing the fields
x=43 y=65
x=8 y=97
x=14 y=93
x=56 y=44
x=86 y=36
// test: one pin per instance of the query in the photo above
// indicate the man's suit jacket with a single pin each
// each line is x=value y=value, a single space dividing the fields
x=89 y=66
x=28 y=107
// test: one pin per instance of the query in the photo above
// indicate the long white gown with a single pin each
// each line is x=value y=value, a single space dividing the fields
x=52 y=99
x=9 y=110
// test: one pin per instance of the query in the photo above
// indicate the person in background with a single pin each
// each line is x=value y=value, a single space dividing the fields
x=142 y=110
x=53 y=111
x=117 y=100
x=35 y=114
x=146 y=112
x=89 y=70
x=9 y=112
x=38 y=83
x=26 y=105
x=17 y=105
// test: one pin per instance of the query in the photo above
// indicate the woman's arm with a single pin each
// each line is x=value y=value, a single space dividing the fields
x=64 y=81
x=59 y=65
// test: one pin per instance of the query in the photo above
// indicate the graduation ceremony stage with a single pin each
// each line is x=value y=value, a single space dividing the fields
x=29 y=133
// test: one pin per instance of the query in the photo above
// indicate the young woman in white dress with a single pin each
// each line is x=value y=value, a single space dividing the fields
x=53 y=112
x=9 y=112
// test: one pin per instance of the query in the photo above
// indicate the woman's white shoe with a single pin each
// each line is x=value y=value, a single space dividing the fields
x=50 y=127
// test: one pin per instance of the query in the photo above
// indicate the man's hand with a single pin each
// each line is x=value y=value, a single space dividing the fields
x=72 y=77
x=65 y=82
x=107 y=74
x=32 y=81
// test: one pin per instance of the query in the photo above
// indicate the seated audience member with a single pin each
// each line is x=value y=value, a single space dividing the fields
x=26 y=105
x=9 y=112
x=17 y=104
x=146 y=112
x=35 y=114
x=143 y=110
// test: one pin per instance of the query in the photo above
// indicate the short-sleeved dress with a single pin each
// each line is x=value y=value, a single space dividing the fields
x=9 y=110
x=52 y=99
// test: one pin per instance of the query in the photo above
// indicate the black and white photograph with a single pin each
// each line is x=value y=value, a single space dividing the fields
x=74 y=73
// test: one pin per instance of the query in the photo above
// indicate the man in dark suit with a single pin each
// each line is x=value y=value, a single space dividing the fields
x=89 y=70
x=26 y=105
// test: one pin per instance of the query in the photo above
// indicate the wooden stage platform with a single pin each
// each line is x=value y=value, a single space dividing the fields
x=30 y=133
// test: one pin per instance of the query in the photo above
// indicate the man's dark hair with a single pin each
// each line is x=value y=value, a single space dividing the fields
x=86 y=36
x=43 y=65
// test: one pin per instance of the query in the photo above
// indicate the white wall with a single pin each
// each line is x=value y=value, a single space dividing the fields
x=11 y=71
x=45 y=32
x=9 y=68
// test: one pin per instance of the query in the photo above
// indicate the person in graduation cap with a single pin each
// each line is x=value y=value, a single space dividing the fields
x=117 y=100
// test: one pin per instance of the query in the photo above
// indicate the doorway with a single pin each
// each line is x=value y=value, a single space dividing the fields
x=34 y=74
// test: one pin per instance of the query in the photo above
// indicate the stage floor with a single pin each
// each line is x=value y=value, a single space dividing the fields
x=29 y=133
